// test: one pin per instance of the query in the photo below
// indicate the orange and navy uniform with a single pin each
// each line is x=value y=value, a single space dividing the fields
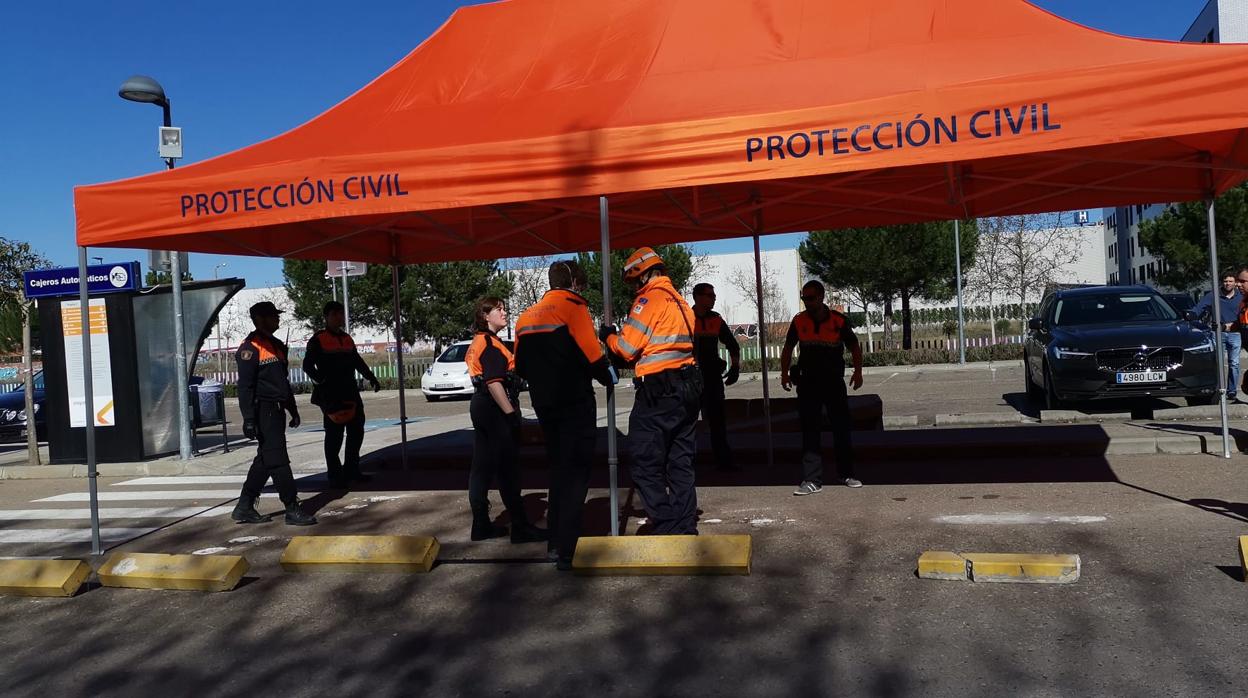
x=262 y=373
x=1243 y=315
x=489 y=361
x=656 y=332
x=708 y=332
x=557 y=349
x=332 y=361
x=821 y=343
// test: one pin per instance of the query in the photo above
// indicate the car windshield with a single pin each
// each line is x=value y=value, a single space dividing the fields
x=1112 y=308
x=454 y=354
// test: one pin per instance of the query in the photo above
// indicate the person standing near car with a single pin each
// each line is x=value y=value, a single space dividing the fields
x=558 y=353
x=1230 y=300
x=658 y=336
x=264 y=398
x=710 y=331
x=495 y=414
x=822 y=335
x=332 y=362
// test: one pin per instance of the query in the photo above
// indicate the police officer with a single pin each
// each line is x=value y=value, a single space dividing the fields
x=495 y=413
x=658 y=336
x=558 y=353
x=332 y=362
x=710 y=331
x=264 y=397
x=822 y=335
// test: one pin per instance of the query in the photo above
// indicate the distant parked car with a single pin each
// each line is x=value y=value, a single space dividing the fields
x=447 y=376
x=13 y=412
x=1116 y=342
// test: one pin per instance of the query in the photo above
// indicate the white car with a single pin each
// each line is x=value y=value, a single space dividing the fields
x=448 y=374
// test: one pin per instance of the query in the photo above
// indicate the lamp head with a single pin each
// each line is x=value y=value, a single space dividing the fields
x=140 y=88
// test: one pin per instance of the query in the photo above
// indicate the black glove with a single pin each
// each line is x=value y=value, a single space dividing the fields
x=295 y=421
x=732 y=375
x=249 y=428
x=606 y=331
x=375 y=383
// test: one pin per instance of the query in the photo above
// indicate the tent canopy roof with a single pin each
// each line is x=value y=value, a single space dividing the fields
x=705 y=119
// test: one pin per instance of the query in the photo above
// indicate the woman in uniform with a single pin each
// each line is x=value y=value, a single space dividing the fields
x=495 y=412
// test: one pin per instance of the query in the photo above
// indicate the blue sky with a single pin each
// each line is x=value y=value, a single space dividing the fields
x=236 y=73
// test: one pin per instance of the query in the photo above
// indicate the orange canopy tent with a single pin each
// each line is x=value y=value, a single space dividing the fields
x=495 y=136
x=700 y=119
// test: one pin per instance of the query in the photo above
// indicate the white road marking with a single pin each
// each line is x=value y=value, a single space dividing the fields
x=69 y=535
x=136 y=496
x=195 y=480
x=1018 y=518
x=111 y=513
x=889 y=378
x=209 y=551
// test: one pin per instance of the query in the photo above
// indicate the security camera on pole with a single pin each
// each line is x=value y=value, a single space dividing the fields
x=140 y=88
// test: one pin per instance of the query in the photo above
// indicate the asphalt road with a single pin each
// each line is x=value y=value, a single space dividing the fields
x=833 y=606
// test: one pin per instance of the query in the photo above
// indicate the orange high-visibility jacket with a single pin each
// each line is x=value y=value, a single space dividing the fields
x=657 y=333
x=488 y=358
x=557 y=349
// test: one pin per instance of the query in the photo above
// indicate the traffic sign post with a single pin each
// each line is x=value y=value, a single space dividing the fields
x=344 y=269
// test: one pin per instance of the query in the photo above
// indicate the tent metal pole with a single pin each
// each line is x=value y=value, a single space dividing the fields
x=762 y=338
x=398 y=352
x=1217 y=327
x=613 y=460
x=84 y=301
x=346 y=301
x=957 y=264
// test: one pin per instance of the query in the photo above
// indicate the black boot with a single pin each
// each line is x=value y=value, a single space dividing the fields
x=296 y=516
x=245 y=511
x=483 y=528
x=524 y=532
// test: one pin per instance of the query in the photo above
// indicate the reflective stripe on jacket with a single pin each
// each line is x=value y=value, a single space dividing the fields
x=656 y=333
x=557 y=349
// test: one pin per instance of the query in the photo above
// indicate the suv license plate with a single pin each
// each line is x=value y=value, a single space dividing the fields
x=1142 y=377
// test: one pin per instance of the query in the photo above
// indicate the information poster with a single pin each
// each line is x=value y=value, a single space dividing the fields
x=101 y=363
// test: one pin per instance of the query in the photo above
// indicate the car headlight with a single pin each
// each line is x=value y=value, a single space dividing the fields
x=1070 y=353
x=1204 y=348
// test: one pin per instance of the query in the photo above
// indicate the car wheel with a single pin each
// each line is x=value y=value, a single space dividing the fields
x=1051 y=401
x=1201 y=400
x=1030 y=389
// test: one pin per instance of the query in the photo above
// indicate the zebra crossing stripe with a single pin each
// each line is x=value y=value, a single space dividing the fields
x=69 y=535
x=112 y=513
x=154 y=495
x=197 y=480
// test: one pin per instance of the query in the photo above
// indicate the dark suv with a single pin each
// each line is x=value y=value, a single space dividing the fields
x=1105 y=342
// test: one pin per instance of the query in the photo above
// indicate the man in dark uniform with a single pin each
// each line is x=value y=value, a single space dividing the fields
x=332 y=362
x=823 y=335
x=264 y=397
x=657 y=337
x=709 y=331
x=558 y=353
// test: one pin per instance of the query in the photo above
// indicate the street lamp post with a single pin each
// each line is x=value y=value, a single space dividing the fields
x=143 y=89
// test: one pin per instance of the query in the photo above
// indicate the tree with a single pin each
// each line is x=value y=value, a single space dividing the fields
x=745 y=282
x=163 y=278
x=15 y=258
x=678 y=259
x=436 y=300
x=1179 y=237
x=1036 y=249
x=907 y=261
x=530 y=280
x=308 y=289
x=989 y=278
